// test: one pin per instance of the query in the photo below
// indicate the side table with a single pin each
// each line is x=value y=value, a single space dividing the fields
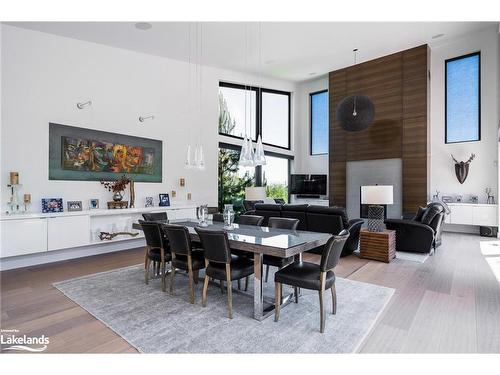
x=379 y=246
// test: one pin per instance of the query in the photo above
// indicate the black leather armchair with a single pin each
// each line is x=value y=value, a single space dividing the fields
x=422 y=233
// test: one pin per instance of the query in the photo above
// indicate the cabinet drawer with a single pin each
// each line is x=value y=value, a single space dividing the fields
x=485 y=215
x=24 y=236
x=461 y=215
x=66 y=232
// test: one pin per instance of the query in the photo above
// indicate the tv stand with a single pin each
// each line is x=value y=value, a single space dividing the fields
x=308 y=196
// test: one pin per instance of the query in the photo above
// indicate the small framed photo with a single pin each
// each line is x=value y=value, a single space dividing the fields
x=94 y=204
x=74 y=205
x=52 y=205
x=164 y=200
x=149 y=202
x=182 y=182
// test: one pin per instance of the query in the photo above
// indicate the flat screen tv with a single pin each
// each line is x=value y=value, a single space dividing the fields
x=308 y=185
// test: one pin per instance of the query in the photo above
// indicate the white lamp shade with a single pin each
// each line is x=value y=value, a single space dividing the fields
x=255 y=193
x=378 y=194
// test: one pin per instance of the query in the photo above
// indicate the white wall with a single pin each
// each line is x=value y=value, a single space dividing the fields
x=44 y=76
x=484 y=168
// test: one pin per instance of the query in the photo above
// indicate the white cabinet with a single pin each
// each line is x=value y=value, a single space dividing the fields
x=66 y=232
x=485 y=215
x=473 y=214
x=461 y=214
x=23 y=236
x=182 y=213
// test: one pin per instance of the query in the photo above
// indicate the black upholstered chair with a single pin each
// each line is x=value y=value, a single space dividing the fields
x=249 y=205
x=296 y=211
x=221 y=264
x=250 y=220
x=155 y=216
x=184 y=256
x=267 y=210
x=156 y=249
x=313 y=276
x=218 y=217
x=279 y=201
x=280 y=223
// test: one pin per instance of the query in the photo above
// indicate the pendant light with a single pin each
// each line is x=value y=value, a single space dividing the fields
x=200 y=162
x=260 y=157
x=188 y=162
x=355 y=112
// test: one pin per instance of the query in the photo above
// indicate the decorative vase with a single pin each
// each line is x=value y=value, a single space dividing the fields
x=117 y=196
x=228 y=216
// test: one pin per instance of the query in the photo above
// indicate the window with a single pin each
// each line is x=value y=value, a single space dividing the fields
x=318 y=106
x=234 y=102
x=267 y=113
x=275 y=176
x=276 y=118
x=463 y=99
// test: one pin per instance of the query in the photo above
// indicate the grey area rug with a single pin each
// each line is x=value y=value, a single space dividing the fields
x=157 y=322
x=403 y=255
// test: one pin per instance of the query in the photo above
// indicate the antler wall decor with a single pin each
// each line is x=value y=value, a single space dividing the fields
x=462 y=168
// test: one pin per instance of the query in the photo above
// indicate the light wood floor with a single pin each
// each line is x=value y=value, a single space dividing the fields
x=451 y=303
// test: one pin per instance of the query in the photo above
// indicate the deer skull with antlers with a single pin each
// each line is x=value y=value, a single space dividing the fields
x=462 y=168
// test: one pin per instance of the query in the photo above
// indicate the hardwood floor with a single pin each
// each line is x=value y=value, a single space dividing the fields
x=450 y=303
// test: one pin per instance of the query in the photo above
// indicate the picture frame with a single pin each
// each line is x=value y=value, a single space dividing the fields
x=149 y=202
x=50 y=205
x=74 y=206
x=94 y=204
x=164 y=200
x=447 y=199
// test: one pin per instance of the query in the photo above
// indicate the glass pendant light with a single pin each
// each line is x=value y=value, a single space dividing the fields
x=187 y=161
x=201 y=160
x=246 y=153
x=260 y=157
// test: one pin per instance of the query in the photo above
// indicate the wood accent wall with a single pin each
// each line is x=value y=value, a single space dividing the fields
x=398 y=86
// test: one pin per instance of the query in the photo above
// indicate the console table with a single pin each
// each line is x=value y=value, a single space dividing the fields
x=379 y=246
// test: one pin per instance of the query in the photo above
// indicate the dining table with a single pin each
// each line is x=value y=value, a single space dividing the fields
x=260 y=241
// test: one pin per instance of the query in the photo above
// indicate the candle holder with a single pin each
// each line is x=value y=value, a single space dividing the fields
x=13 y=204
x=27 y=202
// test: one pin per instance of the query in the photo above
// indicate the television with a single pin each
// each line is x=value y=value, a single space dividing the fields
x=308 y=185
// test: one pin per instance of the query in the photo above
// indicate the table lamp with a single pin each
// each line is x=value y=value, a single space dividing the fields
x=255 y=193
x=376 y=196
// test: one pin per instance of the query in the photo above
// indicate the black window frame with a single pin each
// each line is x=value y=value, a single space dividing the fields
x=477 y=53
x=258 y=110
x=311 y=123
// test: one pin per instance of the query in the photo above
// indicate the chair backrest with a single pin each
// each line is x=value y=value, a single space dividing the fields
x=332 y=250
x=249 y=205
x=178 y=237
x=250 y=219
x=283 y=223
x=279 y=201
x=216 y=245
x=326 y=219
x=155 y=216
x=296 y=211
x=152 y=233
x=267 y=210
x=218 y=217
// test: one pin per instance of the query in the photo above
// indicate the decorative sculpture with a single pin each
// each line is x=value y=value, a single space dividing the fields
x=109 y=236
x=462 y=168
x=355 y=113
x=491 y=198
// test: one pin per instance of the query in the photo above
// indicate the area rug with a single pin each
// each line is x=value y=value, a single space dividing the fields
x=403 y=255
x=157 y=322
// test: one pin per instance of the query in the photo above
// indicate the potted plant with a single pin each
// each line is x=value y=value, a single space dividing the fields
x=117 y=187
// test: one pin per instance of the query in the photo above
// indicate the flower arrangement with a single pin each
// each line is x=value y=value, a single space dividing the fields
x=118 y=185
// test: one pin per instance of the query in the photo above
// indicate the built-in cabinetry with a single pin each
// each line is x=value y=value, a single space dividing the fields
x=24 y=234
x=473 y=214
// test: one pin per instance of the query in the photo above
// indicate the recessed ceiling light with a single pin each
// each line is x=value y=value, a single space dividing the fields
x=437 y=36
x=143 y=25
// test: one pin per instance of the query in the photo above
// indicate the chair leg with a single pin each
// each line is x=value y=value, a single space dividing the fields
x=204 y=294
x=277 y=301
x=196 y=275
x=334 y=299
x=190 y=278
x=246 y=283
x=221 y=284
x=146 y=274
x=296 y=294
x=163 y=277
x=146 y=258
x=172 y=275
x=239 y=284
x=267 y=272
x=321 y=302
x=229 y=291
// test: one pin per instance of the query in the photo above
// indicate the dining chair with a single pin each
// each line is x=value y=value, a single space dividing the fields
x=156 y=250
x=155 y=216
x=280 y=223
x=184 y=257
x=218 y=217
x=250 y=220
x=221 y=264
x=313 y=276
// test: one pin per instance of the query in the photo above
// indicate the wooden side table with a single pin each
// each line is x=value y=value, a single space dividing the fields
x=379 y=246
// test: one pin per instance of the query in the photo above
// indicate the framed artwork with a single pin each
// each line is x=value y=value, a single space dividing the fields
x=164 y=200
x=74 y=205
x=52 y=205
x=94 y=204
x=92 y=155
x=149 y=202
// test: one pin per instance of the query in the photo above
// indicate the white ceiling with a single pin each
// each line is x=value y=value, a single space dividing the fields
x=290 y=50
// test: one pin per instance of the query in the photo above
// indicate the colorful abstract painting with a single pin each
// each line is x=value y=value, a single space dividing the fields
x=85 y=154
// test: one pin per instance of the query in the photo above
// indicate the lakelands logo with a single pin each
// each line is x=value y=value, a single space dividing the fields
x=18 y=342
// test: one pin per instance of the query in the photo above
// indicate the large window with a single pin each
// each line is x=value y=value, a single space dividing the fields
x=267 y=113
x=318 y=106
x=463 y=98
x=275 y=176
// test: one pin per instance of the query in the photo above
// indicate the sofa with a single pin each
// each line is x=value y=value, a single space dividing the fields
x=422 y=233
x=315 y=219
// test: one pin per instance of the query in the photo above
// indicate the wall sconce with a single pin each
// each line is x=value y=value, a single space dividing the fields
x=142 y=119
x=84 y=104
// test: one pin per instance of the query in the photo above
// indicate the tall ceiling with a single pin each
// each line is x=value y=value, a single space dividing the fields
x=294 y=51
